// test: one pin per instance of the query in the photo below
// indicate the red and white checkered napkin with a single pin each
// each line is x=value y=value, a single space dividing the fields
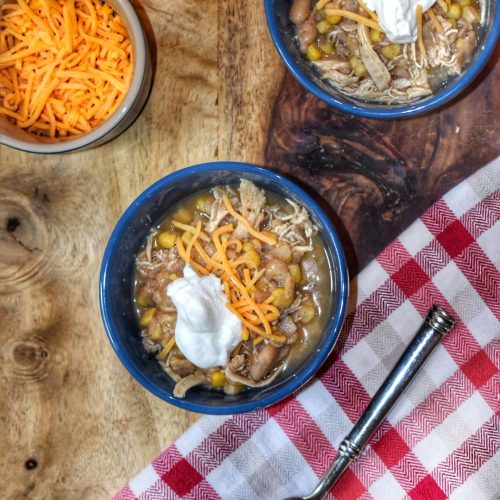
x=442 y=438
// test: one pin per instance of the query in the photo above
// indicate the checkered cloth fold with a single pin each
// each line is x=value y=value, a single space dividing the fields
x=441 y=439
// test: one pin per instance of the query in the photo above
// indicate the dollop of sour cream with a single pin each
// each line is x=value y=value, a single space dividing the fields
x=206 y=330
x=398 y=18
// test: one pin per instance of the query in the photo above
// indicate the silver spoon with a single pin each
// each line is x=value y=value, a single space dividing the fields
x=437 y=323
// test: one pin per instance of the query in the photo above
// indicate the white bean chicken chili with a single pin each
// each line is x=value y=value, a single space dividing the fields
x=263 y=253
x=344 y=40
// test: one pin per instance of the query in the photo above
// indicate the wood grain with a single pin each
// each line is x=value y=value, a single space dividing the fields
x=74 y=424
x=375 y=176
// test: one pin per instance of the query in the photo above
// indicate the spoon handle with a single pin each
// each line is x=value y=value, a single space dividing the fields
x=437 y=323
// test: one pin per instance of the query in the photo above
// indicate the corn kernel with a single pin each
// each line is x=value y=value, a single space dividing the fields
x=280 y=299
x=306 y=312
x=248 y=246
x=166 y=239
x=391 y=51
x=186 y=237
x=173 y=276
x=326 y=48
x=147 y=316
x=454 y=11
x=217 y=378
x=201 y=203
x=471 y=15
x=257 y=244
x=253 y=256
x=323 y=26
x=376 y=36
x=333 y=19
x=295 y=272
x=183 y=215
x=358 y=67
x=142 y=299
x=313 y=53
x=245 y=333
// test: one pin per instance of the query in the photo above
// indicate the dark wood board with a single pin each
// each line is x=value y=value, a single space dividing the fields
x=377 y=176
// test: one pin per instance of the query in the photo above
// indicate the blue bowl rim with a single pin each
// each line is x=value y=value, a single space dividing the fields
x=291 y=385
x=437 y=100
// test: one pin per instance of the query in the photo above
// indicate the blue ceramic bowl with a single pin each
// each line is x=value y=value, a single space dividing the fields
x=282 y=33
x=116 y=286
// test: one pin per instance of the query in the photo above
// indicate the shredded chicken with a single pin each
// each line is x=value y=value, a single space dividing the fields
x=255 y=361
x=217 y=213
x=253 y=201
x=187 y=383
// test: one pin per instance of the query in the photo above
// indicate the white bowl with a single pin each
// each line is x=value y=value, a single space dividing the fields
x=127 y=112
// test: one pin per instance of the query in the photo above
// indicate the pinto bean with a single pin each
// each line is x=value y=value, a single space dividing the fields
x=282 y=251
x=262 y=363
x=288 y=328
x=276 y=270
x=300 y=11
x=307 y=33
x=209 y=248
x=401 y=72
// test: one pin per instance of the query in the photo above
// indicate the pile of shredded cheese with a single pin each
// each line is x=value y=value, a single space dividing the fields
x=256 y=317
x=65 y=65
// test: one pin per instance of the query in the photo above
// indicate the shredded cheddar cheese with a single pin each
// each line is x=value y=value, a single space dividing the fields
x=192 y=241
x=270 y=240
x=320 y=4
x=369 y=11
x=168 y=347
x=419 y=27
x=65 y=65
x=435 y=20
x=255 y=317
x=444 y=5
x=354 y=17
x=190 y=229
x=234 y=261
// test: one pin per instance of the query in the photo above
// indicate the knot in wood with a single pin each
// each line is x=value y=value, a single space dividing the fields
x=23 y=240
x=27 y=360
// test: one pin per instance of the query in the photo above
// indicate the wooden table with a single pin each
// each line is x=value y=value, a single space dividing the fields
x=74 y=424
